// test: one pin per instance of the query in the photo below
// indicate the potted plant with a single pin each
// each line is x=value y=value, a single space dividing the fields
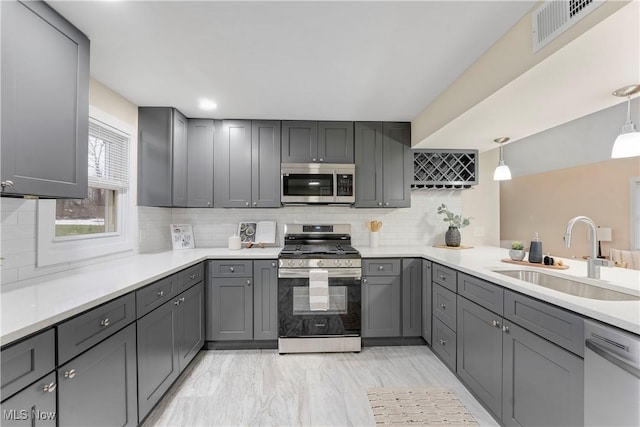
x=456 y=222
x=517 y=251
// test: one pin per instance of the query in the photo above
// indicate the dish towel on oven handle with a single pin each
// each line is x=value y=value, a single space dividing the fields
x=318 y=290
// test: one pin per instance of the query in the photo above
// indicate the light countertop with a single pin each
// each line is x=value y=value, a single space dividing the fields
x=28 y=309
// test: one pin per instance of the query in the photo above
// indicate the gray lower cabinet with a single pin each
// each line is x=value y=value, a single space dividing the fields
x=543 y=384
x=45 y=103
x=427 y=287
x=99 y=386
x=479 y=352
x=265 y=300
x=200 y=140
x=33 y=406
x=411 y=297
x=381 y=309
x=230 y=309
x=162 y=157
x=247 y=164
x=383 y=164
x=190 y=326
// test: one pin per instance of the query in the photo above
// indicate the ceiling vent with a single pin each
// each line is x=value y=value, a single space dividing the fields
x=555 y=17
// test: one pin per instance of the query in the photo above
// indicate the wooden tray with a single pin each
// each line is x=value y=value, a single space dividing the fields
x=455 y=248
x=532 y=264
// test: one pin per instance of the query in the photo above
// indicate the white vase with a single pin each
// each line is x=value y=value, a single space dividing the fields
x=374 y=239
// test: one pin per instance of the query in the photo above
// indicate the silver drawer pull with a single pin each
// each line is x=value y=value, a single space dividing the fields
x=161 y=293
x=442 y=277
x=50 y=388
x=443 y=306
x=104 y=322
x=193 y=276
x=505 y=328
x=381 y=267
x=176 y=302
x=442 y=342
x=181 y=299
x=495 y=323
x=248 y=282
x=70 y=374
x=273 y=264
x=364 y=280
x=231 y=269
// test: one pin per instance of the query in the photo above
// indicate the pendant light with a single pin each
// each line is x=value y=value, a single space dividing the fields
x=627 y=144
x=502 y=172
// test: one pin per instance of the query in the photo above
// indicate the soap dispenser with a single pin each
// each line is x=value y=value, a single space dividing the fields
x=535 y=251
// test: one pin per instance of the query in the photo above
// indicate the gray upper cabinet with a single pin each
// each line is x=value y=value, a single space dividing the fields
x=427 y=287
x=411 y=297
x=247 y=168
x=383 y=164
x=158 y=128
x=265 y=300
x=200 y=140
x=179 y=164
x=299 y=142
x=335 y=142
x=98 y=388
x=317 y=142
x=45 y=103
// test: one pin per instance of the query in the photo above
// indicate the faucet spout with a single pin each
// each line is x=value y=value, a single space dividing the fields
x=593 y=263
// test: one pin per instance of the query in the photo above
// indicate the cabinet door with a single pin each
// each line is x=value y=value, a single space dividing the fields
x=426 y=300
x=230 y=309
x=180 y=158
x=98 y=388
x=335 y=142
x=543 y=384
x=299 y=142
x=45 y=102
x=190 y=332
x=265 y=297
x=200 y=136
x=154 y=156
x=157 y=355
x=368 y=160
x=411 y=297
x=233 y=165
x=381 y=306
x=265 y=164
x=479 y=352
x=397 y=167
x=35 y=406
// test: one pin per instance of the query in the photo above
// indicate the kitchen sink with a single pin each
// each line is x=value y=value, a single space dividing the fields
x=567 y=286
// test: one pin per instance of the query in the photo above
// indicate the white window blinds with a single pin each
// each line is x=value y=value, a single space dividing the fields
x=108 y=157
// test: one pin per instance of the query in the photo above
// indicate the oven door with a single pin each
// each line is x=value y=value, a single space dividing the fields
x=296 y=319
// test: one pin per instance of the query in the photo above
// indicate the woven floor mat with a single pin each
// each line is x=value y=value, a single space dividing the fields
x=418 y=406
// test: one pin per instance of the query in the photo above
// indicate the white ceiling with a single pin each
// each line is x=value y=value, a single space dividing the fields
x=326 y=60
x=573 y=82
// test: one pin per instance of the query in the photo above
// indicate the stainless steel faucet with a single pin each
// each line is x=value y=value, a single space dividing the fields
x=593 y=263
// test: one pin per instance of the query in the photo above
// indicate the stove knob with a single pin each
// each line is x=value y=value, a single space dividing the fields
x=300 y=262
x=290 y=263
x=349 y=262
x=320 y=263
x=337 y=262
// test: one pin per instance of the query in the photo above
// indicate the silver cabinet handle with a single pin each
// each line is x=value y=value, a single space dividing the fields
x=364 y=280
x=50 y=388
x=314 y=160
x=70 y=374
x=321 y=159
x=7 y=184
x=443 y=306
x=246 y=203
x=381 y=267
x=386 y=203
x=248 y=282
x=379 y=203
x=193 y=276
x=209 y=204
x=161 y=293
x=442 y=277
x=495 y=323
x=231 y=269
x=181 y=299
x=273 y=264
x=255 y=204
x=176 y=302
x=442 y=342
x=104 y=322
x=505 y=328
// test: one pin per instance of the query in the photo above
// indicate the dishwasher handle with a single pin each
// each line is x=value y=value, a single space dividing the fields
x=631 y=368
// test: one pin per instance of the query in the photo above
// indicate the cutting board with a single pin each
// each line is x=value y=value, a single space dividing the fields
x=532 y=264
x=455 y=248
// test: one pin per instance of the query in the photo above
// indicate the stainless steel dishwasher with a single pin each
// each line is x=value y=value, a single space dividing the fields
x=611 y=376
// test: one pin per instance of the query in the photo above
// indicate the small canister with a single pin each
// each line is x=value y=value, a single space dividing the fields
x=535 y=251
x=235 y=243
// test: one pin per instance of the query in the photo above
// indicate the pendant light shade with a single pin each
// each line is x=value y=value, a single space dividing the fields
x=502 y=172
x=627 y=144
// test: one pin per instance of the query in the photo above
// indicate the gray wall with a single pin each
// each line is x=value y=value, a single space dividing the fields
x=586 y=140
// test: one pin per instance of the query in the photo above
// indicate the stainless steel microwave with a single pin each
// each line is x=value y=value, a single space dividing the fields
x=317 y=183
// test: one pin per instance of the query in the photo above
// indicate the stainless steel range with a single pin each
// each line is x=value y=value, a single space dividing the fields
x=319 y=290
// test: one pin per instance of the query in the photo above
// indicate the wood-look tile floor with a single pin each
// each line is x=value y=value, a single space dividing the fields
x=261 y=387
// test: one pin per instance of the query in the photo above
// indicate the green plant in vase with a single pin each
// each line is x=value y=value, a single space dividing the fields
x=517 y=251
x=456 y=222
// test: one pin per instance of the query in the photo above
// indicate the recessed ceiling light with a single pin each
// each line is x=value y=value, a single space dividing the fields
x=207 y=105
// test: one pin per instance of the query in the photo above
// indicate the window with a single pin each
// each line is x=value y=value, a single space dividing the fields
x=101 y=224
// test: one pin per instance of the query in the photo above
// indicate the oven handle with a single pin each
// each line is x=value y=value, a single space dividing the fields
x=302 y=273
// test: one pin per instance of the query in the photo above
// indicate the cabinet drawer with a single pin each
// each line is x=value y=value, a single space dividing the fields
x=444 y=306
x=154 y=295
x=381 y=267
x=25 y=362
x=190 y=276
x=39 y=398
x=231 y=268
x=86 y=330
x=444 y=276
x=483 y=293
x=555 y=324
x=444 y=343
